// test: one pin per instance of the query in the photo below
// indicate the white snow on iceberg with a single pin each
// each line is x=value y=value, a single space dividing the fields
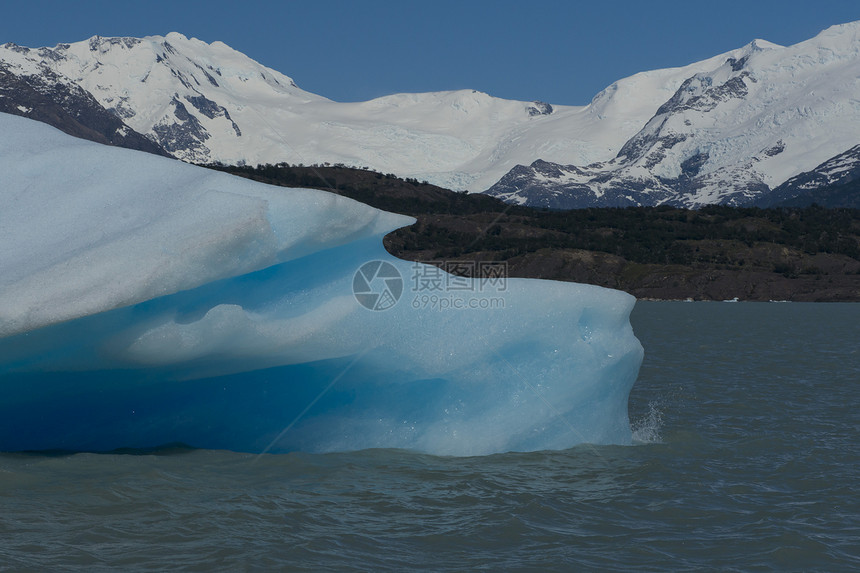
x=144 y=302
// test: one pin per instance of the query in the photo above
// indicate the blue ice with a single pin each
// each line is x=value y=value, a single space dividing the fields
x=145 y=302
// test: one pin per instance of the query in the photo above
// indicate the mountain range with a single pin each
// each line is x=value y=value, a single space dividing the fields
x=756 y=125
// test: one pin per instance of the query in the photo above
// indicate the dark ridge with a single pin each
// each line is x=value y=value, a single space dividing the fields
x=831 y=197
x=833 y=183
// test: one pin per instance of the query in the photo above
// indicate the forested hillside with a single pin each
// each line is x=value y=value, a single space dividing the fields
x=715 y=253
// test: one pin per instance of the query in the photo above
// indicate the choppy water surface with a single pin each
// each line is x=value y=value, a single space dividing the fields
x=748 y=414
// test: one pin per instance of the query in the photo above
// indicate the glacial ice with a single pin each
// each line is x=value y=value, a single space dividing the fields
x=144 y=302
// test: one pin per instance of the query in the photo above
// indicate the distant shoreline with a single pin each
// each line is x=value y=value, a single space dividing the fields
x=717 y=253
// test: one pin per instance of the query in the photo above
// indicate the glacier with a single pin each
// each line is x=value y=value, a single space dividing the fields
x=145 y=302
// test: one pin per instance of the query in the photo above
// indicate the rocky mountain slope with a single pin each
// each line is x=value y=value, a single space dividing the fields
x=47 y=97
x=819 y=184
x=728 y=135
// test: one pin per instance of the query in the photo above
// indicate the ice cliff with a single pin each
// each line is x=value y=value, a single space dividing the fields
x=144 y=301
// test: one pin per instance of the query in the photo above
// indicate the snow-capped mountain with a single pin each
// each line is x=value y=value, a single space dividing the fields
x=207 y=102
x=729 y=134
x=728 y=129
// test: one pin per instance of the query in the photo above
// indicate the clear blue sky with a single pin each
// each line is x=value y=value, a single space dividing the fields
x=562 y=52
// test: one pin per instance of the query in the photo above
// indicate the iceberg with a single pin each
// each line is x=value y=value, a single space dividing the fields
x=144 y=302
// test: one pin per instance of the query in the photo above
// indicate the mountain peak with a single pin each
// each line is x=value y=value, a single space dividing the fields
x=176 y=36
x=759 y=45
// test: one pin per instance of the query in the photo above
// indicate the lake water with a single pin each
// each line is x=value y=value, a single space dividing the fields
x=748 y=416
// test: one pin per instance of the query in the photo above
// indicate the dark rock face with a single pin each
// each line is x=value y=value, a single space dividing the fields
x=212 y=110
x=539 y=108
x=778 y=148
x=98 y=43
x=209 y=77
x=737 y=64
x=691 y=166
x=186 y=135
x=69 y=108
x=697 y=93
